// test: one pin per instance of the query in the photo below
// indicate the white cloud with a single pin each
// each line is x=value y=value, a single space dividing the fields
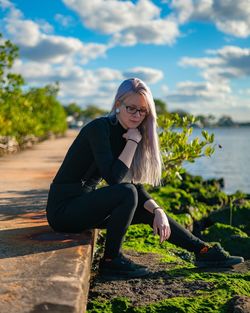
x=113 y=16
x=215 y=94
x=78 y=84
x=148 y=75
x=37 y=45
x=230 y=16
x=200 y=62
x=129 y=23
x=157 y=32
x=64 y=20
x=23 y=32
x=45 y=26
x=165 y=89
x=192 y=91
x=228 y=62
x=5 y=4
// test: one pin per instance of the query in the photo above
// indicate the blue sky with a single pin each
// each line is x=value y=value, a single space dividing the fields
x=193 y=54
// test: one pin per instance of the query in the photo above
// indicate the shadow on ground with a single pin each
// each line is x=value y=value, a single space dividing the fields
x=24 y=227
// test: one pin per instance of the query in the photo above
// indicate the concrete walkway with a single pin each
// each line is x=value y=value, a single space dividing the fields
x=40 y=270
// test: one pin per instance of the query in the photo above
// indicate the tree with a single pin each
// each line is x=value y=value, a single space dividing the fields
x=160 y=106
x=73 y=109
x=226 y=120
x=176 y=147
x=92 y=112
x=206 y=120
x=181 y=113
x=35 y=112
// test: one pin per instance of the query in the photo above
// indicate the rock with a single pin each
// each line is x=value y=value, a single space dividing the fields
x=232 y=239
x=240 y=217
x=239 y=304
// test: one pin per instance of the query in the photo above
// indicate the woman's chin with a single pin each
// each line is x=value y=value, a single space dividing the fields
x=133 y=124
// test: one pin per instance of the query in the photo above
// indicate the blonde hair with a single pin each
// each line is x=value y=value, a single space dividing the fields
x=146 y=166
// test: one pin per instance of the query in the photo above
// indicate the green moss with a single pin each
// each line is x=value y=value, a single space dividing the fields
x=204 y=197
x=173 y=198
x=184 y=219
x=220 y=232
x=224 y=287
x=240 y=216
x=232 y=239
x=214 y=302
x=140 y=238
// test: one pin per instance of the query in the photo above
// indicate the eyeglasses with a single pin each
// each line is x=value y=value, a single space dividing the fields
x=133 y=110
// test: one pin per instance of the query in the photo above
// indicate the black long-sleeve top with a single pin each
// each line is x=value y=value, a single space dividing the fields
x=101 y=142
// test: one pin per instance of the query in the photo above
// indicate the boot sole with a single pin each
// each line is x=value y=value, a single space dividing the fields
x=227 y=263
x=120 y=274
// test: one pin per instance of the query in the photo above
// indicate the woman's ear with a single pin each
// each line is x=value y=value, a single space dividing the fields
x=117 y=104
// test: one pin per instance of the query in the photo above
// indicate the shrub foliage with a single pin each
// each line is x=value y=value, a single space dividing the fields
x=34 y=112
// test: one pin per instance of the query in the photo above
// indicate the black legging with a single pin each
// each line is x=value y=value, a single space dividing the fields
x=114 y=208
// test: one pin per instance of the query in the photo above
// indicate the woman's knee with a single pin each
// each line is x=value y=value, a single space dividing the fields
x=130 y=193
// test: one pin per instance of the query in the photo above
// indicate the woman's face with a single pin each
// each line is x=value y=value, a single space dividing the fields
x=129 y=117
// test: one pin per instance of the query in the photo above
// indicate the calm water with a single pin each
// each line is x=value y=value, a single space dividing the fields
x=232 y=162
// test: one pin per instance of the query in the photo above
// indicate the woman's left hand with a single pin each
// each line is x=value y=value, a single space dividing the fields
x=161 y=225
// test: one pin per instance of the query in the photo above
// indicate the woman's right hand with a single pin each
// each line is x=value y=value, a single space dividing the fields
x=133 y=133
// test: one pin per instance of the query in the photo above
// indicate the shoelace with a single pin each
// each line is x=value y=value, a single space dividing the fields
x=220 y=249
x=217 y=247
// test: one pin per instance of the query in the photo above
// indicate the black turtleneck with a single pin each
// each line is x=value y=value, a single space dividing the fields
x=101 y=142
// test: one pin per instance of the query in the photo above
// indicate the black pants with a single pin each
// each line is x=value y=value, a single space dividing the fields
x=112 y=207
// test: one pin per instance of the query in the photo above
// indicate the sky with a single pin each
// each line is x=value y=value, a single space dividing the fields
x=193 y=54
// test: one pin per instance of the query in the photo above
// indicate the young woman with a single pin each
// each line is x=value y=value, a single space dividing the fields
x=122 y=149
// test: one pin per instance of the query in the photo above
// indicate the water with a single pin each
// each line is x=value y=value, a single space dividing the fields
x=232 y=161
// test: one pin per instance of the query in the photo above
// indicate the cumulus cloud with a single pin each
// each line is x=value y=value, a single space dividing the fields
x=24 y=32
x=64 y=20
x=226 y=63
x=5 y=4
x=215 y=92
x=129 y=23
x=146 y=74
x=113 y=16
x=78 y=84
x=205 y=98
x=199 y=92
x=231 y=17
x=37 y=45
x=157 y=32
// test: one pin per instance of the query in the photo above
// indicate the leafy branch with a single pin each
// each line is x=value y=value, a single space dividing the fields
x=176 y=145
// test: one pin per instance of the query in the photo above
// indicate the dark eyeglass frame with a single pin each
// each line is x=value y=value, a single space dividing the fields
x=130 y=108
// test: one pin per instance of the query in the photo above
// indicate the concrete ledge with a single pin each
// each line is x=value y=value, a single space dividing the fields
x=40 y=270
x=44 y=271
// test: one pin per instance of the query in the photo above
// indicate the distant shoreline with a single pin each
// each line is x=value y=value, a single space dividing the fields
x=236 y=125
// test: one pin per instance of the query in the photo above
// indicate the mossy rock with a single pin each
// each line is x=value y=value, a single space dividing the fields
x=217 y=184
x=174 y=199
x=140 y=238
x=185 y=219
x=240 y=217
x=232 y=239
x=192 y=178
x=211 y=198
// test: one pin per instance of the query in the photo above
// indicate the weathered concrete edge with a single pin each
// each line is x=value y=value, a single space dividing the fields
x=83 y=297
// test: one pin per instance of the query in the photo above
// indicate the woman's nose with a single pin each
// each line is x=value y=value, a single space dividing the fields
x=137 y=113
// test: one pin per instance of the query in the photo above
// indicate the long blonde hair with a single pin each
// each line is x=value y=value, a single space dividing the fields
x=146 y=166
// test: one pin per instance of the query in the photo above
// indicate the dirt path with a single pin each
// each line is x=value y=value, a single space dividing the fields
x=33 y=258
x=25 y=177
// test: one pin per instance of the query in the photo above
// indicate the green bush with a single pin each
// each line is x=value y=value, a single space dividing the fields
x=35 y=112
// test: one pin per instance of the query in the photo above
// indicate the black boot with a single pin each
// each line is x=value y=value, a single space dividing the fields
x=121 y=266
x=216 y=256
